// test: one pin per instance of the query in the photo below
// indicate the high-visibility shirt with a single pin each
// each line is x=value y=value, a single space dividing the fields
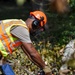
x=8 y=42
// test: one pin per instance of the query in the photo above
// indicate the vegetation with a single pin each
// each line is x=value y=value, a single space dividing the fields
x=61 y=30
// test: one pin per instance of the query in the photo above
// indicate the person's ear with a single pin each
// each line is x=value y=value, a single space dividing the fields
x=35 y=24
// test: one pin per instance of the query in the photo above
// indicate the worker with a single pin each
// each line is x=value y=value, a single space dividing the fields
x=15 y=33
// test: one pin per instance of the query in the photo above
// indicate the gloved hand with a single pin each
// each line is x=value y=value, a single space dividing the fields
x=47 y=70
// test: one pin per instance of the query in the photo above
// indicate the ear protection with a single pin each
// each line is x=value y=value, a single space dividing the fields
x=37 y=23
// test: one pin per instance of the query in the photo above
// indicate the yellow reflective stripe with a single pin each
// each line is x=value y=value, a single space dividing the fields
x=7 y=31
x=24 y=25
x=4 y=53
x=3 y=50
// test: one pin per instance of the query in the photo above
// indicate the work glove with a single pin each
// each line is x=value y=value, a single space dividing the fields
x=47 y=70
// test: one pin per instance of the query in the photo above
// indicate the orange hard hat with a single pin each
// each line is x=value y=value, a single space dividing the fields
x=38 y=15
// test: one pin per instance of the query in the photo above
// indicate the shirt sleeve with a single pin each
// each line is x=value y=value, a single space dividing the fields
x=22 y=33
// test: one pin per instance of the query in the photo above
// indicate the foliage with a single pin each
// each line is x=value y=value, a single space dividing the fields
x=22 y=64
x=61 y=31
x=72 y=3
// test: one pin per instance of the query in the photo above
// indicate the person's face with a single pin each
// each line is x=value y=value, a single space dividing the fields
x=36 y=31
x=35 y=25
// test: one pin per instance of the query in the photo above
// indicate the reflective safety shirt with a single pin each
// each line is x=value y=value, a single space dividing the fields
x=8 y=42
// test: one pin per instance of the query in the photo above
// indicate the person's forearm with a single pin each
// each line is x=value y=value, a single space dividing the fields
x=35 y=57
x=28 y=55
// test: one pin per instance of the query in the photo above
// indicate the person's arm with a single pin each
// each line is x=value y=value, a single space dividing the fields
x=28 y=47
x=32 y=53
x=34 y=56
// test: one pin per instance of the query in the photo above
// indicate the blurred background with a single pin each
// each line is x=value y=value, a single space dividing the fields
x=61 y=29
